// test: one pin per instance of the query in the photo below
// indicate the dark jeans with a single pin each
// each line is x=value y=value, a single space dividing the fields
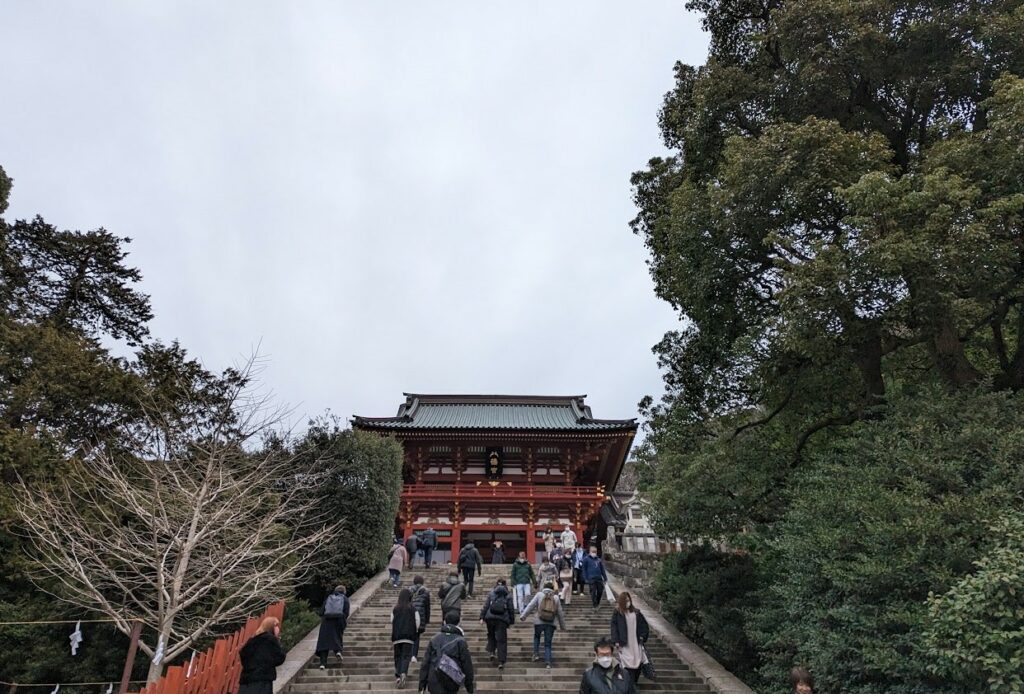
x=634 y=673
x=497 y=638
x=403 y=654
x=396 y=576
x=467 y=577
x=577 y=581
x=548 y=630
x=596 y=591
x=416 y=644
x=428 y=553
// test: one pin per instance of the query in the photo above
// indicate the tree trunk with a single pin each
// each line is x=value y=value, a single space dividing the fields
x=868 y=357
x=948 y=354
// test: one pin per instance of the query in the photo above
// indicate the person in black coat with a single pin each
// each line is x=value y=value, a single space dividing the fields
x=405 y=624
x=420 y=601
x=606 y=676
x=471 y=565
x=428 y=543
x=412 y=546
x=260 y=657
x=450 y=640
x=497 y=614
x=333 y=621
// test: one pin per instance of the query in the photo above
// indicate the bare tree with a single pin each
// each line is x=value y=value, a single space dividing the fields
x=183 y=528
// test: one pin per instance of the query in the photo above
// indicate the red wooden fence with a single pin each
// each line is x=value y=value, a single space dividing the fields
x=216 y=670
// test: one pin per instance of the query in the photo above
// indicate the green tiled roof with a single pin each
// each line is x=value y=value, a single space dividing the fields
x=493 y=412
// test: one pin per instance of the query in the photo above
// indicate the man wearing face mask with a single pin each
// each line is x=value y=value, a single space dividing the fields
x=594 y=575
x=606 y=676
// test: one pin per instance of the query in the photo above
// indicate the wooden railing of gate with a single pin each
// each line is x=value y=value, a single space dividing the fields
x=216 y=670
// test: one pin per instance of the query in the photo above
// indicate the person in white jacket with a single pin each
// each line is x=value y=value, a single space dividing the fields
x=568 y=540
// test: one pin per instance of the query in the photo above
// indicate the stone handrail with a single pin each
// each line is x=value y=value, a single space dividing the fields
x=305 y=649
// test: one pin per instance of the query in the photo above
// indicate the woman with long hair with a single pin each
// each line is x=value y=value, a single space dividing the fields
x=630 y=632
x=260 y=657
x=405 y=625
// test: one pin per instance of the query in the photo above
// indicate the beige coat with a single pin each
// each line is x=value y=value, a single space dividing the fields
x=399 y=558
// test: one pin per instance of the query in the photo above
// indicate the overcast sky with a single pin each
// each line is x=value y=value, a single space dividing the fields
x=386 y=196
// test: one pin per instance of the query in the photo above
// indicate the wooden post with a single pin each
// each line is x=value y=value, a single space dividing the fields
x=129 y=660
x=13 y=688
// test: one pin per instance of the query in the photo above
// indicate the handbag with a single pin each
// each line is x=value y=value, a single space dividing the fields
x=647 y=667
x=451 y=668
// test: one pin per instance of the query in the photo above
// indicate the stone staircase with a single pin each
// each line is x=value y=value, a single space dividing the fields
x=368 y=661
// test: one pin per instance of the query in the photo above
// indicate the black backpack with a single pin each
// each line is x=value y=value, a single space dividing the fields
x=499 y=606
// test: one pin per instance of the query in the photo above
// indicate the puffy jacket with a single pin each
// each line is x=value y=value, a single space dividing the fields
x=593 y=569
x=522 y=573
x=421 y=601
x=460 y=653
x=260 y=657
x=594 y=681
x=620 y=634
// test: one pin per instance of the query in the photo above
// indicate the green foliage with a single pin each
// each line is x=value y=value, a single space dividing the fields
x=975 y=631
x=706 y=593
x=361 y=479
x=893 y=510
x=839 y=226
x=299 y=620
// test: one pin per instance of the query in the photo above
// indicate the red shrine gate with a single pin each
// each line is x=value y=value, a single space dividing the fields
x=486 y=467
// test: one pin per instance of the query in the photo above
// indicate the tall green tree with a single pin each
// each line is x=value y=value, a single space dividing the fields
x=359 y=481
x=839 y=226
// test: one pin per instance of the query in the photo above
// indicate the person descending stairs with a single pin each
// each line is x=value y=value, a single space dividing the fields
x=369 y=662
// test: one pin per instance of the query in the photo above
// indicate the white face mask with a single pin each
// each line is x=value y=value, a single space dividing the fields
x=604 y=661
x=593 y=554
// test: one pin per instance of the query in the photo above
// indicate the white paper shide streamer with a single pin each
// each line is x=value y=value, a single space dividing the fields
x=159 y=654
x=76 y=640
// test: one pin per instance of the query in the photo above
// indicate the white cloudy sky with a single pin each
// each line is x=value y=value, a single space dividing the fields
x=387 y=197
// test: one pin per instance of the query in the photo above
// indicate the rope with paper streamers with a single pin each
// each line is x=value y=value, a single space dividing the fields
x=76 y=638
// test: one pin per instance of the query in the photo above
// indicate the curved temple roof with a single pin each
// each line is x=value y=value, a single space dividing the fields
x=462 y=412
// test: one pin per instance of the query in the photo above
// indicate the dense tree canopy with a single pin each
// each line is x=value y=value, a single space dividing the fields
x=80 y=426
x=841 y=228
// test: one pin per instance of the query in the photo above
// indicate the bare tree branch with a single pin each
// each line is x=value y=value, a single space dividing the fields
x=186 y=529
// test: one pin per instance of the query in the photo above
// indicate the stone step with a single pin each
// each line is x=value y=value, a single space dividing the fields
x=368 y=662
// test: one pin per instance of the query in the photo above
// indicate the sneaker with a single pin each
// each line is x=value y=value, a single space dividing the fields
x=413 y=660
x=547 y=666
x=323 y=667
x=501 y=666
x=401 y=682
x=491 y=655
x=536 y=657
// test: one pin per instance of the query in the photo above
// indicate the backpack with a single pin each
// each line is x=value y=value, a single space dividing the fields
x=463 y=556
x=499 y=606
x=449 y=672
x=548 y=607
x=335 y=605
